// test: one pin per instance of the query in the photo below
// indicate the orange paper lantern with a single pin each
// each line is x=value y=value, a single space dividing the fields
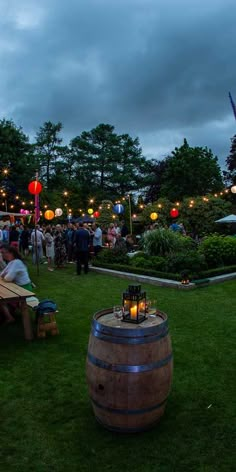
x=35 y=187
x=49 y=215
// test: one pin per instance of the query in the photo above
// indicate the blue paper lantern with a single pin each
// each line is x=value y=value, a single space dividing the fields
x=118 y=209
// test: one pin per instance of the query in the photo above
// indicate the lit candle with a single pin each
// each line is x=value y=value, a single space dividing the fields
x=142 y=306
x=133 y=312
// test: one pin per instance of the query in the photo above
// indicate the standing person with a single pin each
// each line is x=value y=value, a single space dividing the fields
x=70 y=234
x=37 y=239
x=14 y=237
x=82 y=238
x=59 y=247
x=49 y=243
x=97 y=239
x=24 y=238
x=111 y=235
x=5 y=234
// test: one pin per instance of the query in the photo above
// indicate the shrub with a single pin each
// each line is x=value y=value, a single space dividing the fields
x=114 y=255
x=161 y=241
x=149 y=262
x=191 y=261
x=229 y=250
x=213 y=249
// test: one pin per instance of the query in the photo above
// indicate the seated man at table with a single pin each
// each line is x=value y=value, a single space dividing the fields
x=16 y=272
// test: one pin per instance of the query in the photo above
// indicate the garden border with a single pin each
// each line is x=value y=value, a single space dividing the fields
x=164 y=282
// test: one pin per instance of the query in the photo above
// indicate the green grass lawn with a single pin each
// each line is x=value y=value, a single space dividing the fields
x=46 y=420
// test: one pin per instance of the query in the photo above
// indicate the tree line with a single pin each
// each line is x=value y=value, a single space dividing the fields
x=104 y=165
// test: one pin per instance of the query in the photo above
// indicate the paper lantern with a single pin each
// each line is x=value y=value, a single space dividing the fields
x=90 y=211
x=35 y=187
x=22 y=211
x=49 y=215
x=118 y=209
x=96 y=214
x=154 y=216
x=174 y=213
x=233 y=189
x=58 y=212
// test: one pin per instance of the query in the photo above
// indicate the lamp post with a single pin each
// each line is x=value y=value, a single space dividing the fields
x=130 y=215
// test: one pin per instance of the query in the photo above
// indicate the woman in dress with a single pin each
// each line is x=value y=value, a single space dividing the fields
x=59 y=247
x=49 y=242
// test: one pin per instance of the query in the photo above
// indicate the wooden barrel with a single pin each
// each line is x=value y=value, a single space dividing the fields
x=129 y=371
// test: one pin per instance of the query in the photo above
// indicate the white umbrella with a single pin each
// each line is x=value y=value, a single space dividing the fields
x=227 y=219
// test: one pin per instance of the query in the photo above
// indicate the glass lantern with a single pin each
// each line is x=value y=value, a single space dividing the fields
x=134 y=304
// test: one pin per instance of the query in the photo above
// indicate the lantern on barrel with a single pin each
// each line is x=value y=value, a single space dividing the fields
x=58 y=212
x=118 y=209
x=35 y=187
x=134 y=304
x=174 y=213
x=90 y=211
x=96 y=214
x=49 y=215
x=154 y=216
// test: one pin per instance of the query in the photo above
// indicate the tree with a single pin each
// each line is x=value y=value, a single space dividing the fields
x=17 y=160
x=191 y=171
x=156 y=172
x=230 y=174
x=48 y=151
x=109 y=164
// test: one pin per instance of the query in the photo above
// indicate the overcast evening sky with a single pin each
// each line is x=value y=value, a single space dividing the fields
x=159 y=70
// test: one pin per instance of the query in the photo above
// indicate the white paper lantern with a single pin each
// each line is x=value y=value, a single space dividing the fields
x=233 y=189
x=58 y=212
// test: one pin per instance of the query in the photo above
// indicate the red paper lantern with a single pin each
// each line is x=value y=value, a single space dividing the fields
x=174 y=213
x=35 y=187
x=96 y=214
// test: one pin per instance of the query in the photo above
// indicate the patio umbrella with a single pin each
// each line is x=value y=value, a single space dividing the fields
x=227 y=219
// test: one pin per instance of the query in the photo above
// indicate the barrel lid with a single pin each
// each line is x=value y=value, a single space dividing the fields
x=104 y=320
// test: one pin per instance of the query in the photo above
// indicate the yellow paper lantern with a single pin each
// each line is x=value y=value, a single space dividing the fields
x=233 y=189
x=154 y=216
x=49 y=215
x=90 y=211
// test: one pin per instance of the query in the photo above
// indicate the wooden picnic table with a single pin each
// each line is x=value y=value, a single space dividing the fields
x=10 y=292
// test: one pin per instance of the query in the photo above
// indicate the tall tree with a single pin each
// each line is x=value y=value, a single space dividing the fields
x=16 y=159
x=230 y=174
x=129 y=172
x=110 y=164
x=191 y=171
x=156 y=172
x=48 y=150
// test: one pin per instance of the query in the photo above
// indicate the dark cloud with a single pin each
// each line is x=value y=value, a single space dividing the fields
x=157 y=70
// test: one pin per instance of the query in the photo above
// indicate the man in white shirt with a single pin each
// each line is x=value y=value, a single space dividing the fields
x=37 y=239
x=97 y=239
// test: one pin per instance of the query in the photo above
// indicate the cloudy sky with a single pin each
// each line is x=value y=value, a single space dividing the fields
x=159 y=70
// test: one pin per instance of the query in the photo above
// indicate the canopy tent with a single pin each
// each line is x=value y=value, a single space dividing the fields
x=7 y=213
x=227 y=219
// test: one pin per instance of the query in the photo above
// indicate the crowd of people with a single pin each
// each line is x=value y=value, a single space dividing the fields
x=65 y=243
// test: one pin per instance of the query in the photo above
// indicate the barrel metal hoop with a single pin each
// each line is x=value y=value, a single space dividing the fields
x=153 y=330
x=117 y=429
x=133 y=341
x=124 y=411
x=124 y=368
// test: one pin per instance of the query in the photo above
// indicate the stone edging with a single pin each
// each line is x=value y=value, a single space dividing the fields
x=162 y=282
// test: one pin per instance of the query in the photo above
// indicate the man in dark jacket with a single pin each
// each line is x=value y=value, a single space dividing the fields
x=82 y=248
